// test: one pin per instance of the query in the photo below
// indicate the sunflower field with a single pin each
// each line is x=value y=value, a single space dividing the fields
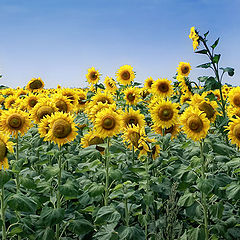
x=120 y=161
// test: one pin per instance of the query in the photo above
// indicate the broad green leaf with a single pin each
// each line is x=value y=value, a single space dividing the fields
x=205 y=65
x=216 y=58
x=45 y=234
x=96 y=190
x=106 y=232
x=15 y=230
x=205 y=185
x=50 y=172
x=233 y=191
x=69 y=189
x=80 y=226
x=5 y=176
x=28 y=182
x=186 y=200
x=131 y=233
x=51 y=216
x=229 y=70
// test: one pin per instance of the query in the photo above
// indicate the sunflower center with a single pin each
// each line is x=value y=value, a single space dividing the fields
x=163 y=87
x=195 y=123
x=61 y=128
x=131 y=97
x=125 y=75
x=15 y=121
x=236 y=100
x=165 y=114
x=62 y=106
x=207 y=108
x=36 y=84
x=93 y=75
x=32 y=102
x=134 y=138
x=96 y=140
x=132 y=120
x=185 y=69
x=236 y=131
x=3 y=150
x=108 y=123
x=44 y=111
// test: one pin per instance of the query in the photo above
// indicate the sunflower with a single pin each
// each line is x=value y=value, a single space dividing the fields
x=21 y=92
x=234 y=131
x=162 y=87
x=92 y=138
x=15 y=121
x=234 y=96
x=92 y=76
x=183 y=69
x=210 y=108
x=107 y=123
x=185 y=98
x=31 y=100
x=144 y=92
x=2 y=99
x=195 y=123
x=155 y=148
x=133 y=117
x=35 y=84
x=132 y=95
x=110 y=85
x=62 y=128
x=7 y=91
x=182 y=84
x=82 y=99
x=195 y=38
x=42 y=108
x=197 y=99
x=10 y=101
x=173 y=130
x=164 y=113
x=125 y=74
x=233 y=111
x=148 y=83
x=104 y=97
x=5 y=146
x=70 y=94
x=62 y=103
x=43 y=126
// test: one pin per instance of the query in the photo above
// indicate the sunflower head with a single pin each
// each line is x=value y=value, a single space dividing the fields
x=92 y=138
x=209 y=108
x=234 y=131
x=62 y=103
x=132 y=95
x=92 y=76
x=125 y=74
x=183 y=69
x=234 y=96
x=133 y=117
x=110 y=84
x=35 y=84
x=148 y=83
x=5 y=147
x=162 y=88
x=195 y=38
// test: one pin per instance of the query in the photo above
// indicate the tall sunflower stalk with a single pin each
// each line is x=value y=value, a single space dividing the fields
x=107 y=155
x=3 y=209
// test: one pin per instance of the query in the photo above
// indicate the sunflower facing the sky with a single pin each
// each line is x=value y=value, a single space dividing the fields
x=132 y=95
x=162 y=88
x=61 y=129
x=93 y=76
x=35 y=84
x=5 y=146
x=133 y=117
x=125 y=74
x=183 y=69
x=14 y=121
x=234 y=131
x=195 y=123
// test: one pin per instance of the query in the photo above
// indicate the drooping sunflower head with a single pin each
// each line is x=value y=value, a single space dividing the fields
x=110 y=85
x=35 y=84
x=162 y=88
x=62 y=128
x=164 y=113
x=92 y=138
x=5 y=147
x=107 y=123
x=15 y=121
x=234 y=131
x=132 y=95
x=133 y=117
x=125 y=74
x=93 y=75
x=173 y=130
x=148 y=83
x=70 y=94
x=195 y=38
x=209 y=108
x=234 y=96
x=62 y=103
x=195 y=123
x=183 y=69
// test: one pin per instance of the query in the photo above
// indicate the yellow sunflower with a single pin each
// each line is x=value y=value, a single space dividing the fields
x=133 y=117
x=233 y=111
x=35 y=84
x=93 y=75
x=183 y=69
x=195 y=38
x=31 y=100
x=15 y=121
x=162 y=88
x=2 y=99
x=7 y=91
x=144 y=92
x=234 y=96
x=42 y=108
x=165 y=113
x=185 y=98
x=234 y=131
x=210 y=108
x=182 y=84
x=10 y=101
x=174 y=130
x=5 y=146
x=132 y=95
x=125 y=74
x=107 y=123
x=62 y=103
x=70 y=94
x=148 y=83
x=82 y=99
x=62 y=128
x=110 y=85
x=195 y=123
x=43 y=127
x=197 y=99
x=104 y=97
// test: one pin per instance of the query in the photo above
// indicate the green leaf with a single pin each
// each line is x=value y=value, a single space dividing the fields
x=205 y=34
x=28 y=182
x=22 y=203
x=96 y=190
x=115 y=174
x=222 y=149
x=229 y=70
x=197 y=234
x=5 y=176
x=131 y=233
x=106 y=232
x=45 y=234
x=216 y=210
x=203 y=51
x=215 y=44
x=205 y=185
x=69 y=189
x=15 y=230
x=205 y=65
x=211 y=84
x=50 y=172
x=106 y=215
x=216 y=58
x=148 y=199
x=186 y=200
x=233 y=191
x=80 y=226
x=51 y=216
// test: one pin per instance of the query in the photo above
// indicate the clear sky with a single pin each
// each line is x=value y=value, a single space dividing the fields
x=58 y=40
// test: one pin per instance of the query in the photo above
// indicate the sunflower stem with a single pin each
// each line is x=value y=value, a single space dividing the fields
x=133 y=155
x=203 y=195
x=4 y=234
x=147 y=193
x=107 y=172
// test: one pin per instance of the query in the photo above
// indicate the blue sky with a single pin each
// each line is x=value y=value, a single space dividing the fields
x=58 y=40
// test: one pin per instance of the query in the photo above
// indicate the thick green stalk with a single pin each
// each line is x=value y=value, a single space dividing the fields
x=203 y=195
x=4 y=235
x=147 y=207
x=133 y=155
x=107 y=172
x=17 y=158
x=126 y=212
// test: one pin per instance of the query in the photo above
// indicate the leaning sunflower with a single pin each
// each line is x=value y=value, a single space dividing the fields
x=110 y=85
x=62 y=128
x=35 y=84
x=195 y=123
x=234 y=131
x=5 y=146
x=132 y=95
x=210 y=108
x=234 y=96
x=133 y=117
x=107 y=123
x=15 y=121
x=148 y=83
x=125 y=74
x=162 y=88
x=93 y=76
